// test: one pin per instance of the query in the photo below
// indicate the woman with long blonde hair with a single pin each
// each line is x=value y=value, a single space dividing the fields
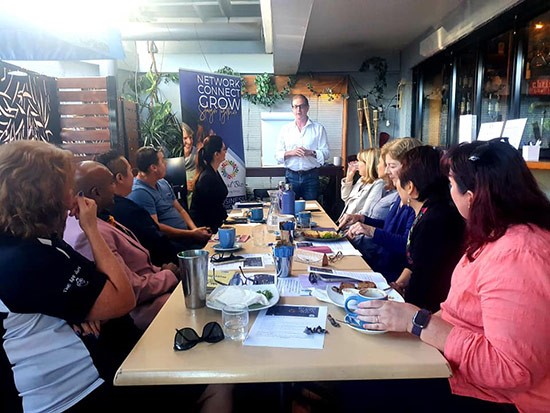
x=368 y=188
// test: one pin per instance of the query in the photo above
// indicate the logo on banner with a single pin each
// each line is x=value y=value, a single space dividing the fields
x=229 y=169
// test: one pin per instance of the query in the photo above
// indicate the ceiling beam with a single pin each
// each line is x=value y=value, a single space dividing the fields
x=267 y=25
x=290 y=21
x=225 y=7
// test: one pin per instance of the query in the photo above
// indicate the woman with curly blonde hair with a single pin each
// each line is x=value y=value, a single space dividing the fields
x=45 y=286
x=31 y=175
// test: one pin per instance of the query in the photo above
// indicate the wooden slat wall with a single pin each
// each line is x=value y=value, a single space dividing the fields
x=128 y=129
x=84 y=110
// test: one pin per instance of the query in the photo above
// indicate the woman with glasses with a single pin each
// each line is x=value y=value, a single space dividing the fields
x=434 y=244
x=210 y=190
x=494 y=327
x=382 y=242
x=369 y=187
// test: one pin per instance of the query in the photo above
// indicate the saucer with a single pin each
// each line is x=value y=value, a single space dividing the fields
x=256 y=221
x=351 y=323
x=218 y=248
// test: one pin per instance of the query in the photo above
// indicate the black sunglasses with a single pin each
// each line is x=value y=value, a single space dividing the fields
x=187 y=338
x=220 y=257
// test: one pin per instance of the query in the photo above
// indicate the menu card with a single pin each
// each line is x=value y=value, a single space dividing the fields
x=285 y=325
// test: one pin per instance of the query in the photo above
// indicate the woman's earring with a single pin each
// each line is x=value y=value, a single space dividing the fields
x=409 y=202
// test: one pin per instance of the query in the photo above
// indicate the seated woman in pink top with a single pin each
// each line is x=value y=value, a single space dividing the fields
x=494 y=327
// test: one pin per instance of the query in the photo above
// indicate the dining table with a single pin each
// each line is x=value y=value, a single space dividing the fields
x=346 y=353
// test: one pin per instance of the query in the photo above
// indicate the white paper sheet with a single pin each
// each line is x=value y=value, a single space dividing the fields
x=513 y=130
x=292 y=287
x=343 y=245
x=490 y=130
x=284 y=325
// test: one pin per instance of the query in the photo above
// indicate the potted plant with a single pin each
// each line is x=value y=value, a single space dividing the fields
x=158 y=123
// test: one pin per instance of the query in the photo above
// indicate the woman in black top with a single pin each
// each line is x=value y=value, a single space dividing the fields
x=435 y=240
x=210 y=190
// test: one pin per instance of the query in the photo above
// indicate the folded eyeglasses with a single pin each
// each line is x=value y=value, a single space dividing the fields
x=240 y=278
x=187 y=338
x=220 y=257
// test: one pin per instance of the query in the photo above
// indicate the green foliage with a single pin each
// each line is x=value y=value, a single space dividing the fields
x=226 y=70
x=158 y=124
x=327 y=91
x=380 y=67
x=266 y=90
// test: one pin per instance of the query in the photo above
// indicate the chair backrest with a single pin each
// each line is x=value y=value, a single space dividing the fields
x=175 y=171
x=177 y=178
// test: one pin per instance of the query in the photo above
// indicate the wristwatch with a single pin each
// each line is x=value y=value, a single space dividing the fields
x=420 y=321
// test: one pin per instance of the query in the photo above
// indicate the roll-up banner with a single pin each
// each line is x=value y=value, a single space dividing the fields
x=211 y=105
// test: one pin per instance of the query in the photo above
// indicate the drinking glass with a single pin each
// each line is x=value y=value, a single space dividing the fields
x=258 y=236
x=235 y=321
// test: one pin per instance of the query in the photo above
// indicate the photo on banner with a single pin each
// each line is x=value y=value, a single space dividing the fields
x=211 y=105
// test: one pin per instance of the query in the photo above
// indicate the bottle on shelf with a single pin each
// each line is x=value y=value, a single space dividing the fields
x=463 y=105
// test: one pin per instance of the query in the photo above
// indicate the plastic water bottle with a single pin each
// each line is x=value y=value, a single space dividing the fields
x=281 y=188
x=287 y=200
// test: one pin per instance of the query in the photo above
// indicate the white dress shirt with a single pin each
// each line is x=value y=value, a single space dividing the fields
x=313 y=136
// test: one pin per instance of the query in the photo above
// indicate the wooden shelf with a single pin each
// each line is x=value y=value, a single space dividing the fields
x=543 y=165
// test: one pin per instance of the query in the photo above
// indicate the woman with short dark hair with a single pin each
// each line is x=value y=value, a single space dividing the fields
x=434 y=243
x=210 y=191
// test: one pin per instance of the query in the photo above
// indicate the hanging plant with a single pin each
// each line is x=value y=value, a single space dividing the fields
x=380 y=67
x=226 y=70
x=266 y=90
x=331 y=95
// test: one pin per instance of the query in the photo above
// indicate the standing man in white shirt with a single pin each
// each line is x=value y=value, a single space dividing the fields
x=303 y=148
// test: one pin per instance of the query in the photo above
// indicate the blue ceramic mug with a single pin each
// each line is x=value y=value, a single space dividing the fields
x=304 y=219
x=299 y=206
x=226 y=236
x=256 y=214
x=352 y=301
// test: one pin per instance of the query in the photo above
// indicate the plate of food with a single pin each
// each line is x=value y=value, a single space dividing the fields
x=322 y=236
x=256 y=297
x=334 y=293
